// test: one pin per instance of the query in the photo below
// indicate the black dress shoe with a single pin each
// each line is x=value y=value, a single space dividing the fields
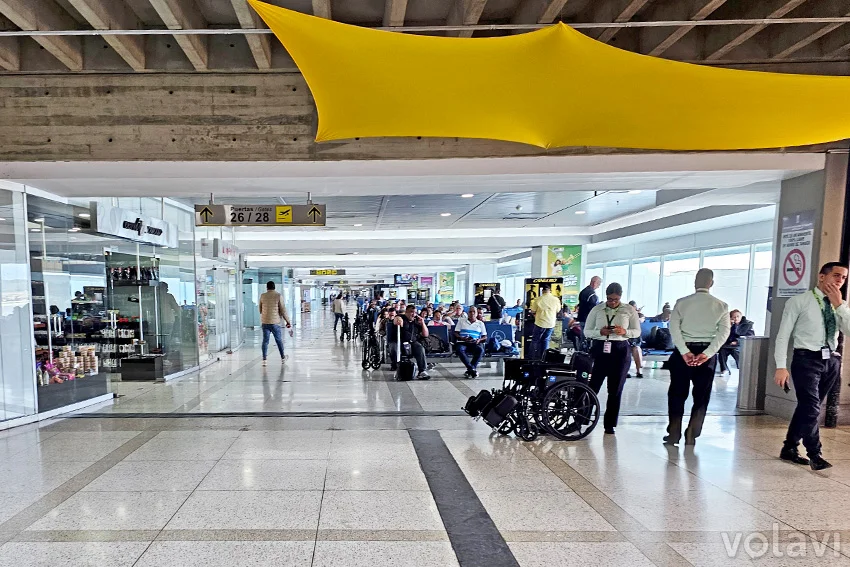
x=609 y=431
x=818 y=463
x=668 y=441
x=793 y=456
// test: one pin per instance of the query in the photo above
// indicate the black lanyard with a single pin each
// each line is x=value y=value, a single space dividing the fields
x=611 y=317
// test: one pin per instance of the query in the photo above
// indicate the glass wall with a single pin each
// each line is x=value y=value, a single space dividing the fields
x=617 y=272
x=741 y=274
x=17 y=383
x=513 y=287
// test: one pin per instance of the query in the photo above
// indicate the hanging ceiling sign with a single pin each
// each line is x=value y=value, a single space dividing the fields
x=260 y=215
x=327 y=272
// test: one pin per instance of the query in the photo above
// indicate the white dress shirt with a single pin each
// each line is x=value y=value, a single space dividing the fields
x=803 y=318
x=625 y=316
x=700 y=318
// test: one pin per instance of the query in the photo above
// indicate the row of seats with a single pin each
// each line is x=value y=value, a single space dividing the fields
x=494 y=329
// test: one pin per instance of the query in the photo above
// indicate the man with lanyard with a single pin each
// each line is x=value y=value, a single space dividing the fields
x=814 y=319
x=699 y=326
x=610 y=325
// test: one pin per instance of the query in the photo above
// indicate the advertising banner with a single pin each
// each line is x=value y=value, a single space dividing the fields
x=795 y=253
x=532 y=292
x=426 y=281
x=133 y=226
x=483 y=292
x=565 y=262
x=446 y=287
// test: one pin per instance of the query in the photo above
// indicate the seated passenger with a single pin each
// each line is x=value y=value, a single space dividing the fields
x=471 y=334
x=410 y=327
x=438 y=320
x=741 y=327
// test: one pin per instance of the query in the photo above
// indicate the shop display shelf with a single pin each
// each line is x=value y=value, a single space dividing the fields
x=55 y=396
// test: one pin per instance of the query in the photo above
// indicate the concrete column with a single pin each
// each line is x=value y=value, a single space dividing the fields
x=824 y=192
x=479 y=273
x=538 y=261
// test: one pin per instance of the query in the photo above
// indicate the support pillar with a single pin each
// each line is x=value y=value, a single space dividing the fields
x=538 y=262
x=823 y=192
x=479 y=273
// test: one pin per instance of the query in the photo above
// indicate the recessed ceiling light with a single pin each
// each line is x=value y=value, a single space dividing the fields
x=36 y=230
x=2 y=219
x=635 y=192
x=75 y=229
x=359 y=224
x=467 y=195
x=85 y=216
x=356 y=253
x=39 y=219
x=445 y=214
x=581 y=212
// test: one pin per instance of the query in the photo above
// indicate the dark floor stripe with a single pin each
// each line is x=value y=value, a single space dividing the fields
x=475 y=538
x=154 y=415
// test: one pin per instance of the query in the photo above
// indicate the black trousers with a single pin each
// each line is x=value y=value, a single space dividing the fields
x=725 y=353
x=615 y=367
x=813 y=379
x=681 y=378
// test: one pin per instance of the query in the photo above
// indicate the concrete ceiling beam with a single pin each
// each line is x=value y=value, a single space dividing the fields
x=184 y=14
x=394 y=12
x=789 y=41
x=623 y=11
x=260 y=45
x=464 y=13
x=115 y=15
x=47 y=15
x=10 y=53
x=727 y=38
x=538 y=11
x=322 y=9
x=656 y=41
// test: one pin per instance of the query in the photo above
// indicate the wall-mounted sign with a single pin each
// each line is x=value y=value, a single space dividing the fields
x=133 y=226
x=260 y=215
x=328 y=272
x=404 y=279
x=225 y=251
x=795 y=253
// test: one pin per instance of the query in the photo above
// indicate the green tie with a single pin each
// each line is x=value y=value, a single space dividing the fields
x=829 y=322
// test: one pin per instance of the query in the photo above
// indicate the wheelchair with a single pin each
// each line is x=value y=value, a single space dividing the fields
x=346 y=328
x=540 y=397
x=372 y=349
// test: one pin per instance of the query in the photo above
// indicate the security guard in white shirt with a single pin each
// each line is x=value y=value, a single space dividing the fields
x=699 y=326
x=610 y=325
x=814 y=318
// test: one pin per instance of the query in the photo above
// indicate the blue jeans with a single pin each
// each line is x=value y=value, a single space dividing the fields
x=463 y=352
x=268 y=330
x=337 y=318
x=539 y=341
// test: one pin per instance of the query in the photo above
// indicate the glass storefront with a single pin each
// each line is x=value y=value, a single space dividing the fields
x=104 y=307
x=17 y=390
x=220 y=293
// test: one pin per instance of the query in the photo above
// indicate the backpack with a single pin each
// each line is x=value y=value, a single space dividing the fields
x=434 y=345
x=661 y=339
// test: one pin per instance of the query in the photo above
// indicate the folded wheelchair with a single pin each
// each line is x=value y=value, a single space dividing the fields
x=540 y=397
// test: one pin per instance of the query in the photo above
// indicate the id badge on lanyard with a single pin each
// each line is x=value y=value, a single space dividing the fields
x=825 y=353
x=606 y=346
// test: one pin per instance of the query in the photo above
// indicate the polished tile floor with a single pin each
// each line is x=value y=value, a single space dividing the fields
x=157 y=479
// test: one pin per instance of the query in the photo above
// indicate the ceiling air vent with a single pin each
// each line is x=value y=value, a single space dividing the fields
x=524 y=216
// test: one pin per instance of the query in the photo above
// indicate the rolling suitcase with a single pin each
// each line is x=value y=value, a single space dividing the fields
x=498 y=409
x=405 y=368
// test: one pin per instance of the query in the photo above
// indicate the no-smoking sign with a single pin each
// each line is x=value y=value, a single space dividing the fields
x=794 y=267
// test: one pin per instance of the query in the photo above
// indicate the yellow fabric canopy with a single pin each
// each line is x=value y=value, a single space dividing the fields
x=550 y=88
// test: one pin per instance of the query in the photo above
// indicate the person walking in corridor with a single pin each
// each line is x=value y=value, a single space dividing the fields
x=814 y=319
x=699 y=326
x=338 y=308
x=610 y=325
x=545 y=309
x=272 y=311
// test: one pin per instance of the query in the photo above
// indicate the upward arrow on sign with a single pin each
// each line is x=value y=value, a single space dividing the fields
x=315 y=213
x=206 y=213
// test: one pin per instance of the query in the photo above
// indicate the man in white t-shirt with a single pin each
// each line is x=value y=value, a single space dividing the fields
x=471 y=334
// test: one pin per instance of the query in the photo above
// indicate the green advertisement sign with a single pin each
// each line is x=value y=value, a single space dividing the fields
x=565 y=262
x=446 y=286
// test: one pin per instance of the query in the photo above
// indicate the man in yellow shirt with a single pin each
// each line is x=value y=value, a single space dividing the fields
x=545 y=309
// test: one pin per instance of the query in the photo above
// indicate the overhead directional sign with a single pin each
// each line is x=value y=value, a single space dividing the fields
x=260 y=215
x=328 y=272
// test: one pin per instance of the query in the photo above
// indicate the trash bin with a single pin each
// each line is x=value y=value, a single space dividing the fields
x=752 y=373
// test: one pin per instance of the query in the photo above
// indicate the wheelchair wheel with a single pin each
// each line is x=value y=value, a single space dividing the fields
x=366 y=361
x=375 y=354
x=526 y=430
x=507 y=427
x=570 y=411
